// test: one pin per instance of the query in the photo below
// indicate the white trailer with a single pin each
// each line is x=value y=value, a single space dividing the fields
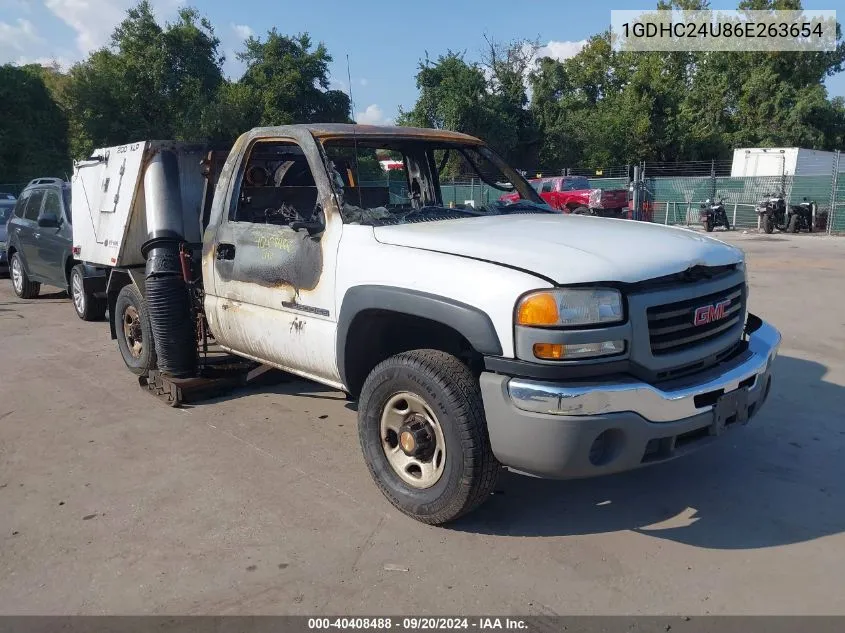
x=782 y=161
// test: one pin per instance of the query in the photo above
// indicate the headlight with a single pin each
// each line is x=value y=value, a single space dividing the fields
x=570 y=307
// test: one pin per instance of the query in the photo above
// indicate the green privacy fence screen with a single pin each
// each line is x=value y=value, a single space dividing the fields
x=676 y=199
x=673 y=199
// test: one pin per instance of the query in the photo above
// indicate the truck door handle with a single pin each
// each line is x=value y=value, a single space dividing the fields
x=17 y=230
x=225 y=251
x=37 y=235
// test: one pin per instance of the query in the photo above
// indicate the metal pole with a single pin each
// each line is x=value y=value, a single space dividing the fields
x=637 y=194
x=734 y=222
x=713 y=180
x=834 y=183
x=666 y=222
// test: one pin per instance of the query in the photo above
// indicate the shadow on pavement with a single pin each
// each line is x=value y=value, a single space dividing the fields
x=778 y=481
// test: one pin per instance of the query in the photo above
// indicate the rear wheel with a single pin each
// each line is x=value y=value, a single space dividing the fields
x=23 y=287
x=87 y=306
x=134 y=331
x=424 y=437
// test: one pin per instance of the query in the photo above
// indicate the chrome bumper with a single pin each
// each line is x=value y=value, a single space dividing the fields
x=675 y=400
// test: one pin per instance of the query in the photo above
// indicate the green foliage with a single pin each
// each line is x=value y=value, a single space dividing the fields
x=290 y=82
x=152 y=82
x=164 y=82
x=33 y=129
x=603 y=107
x=597 y=108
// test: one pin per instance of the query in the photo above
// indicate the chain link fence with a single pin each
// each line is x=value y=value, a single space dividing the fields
x=672 y=192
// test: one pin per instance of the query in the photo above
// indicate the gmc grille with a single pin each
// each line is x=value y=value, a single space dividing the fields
x=672 y=328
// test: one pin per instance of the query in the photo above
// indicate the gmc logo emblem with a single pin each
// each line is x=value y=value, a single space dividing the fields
x=711 y=313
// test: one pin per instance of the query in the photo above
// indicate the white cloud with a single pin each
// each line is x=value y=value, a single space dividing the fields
x=373 y=115
x=561 y=50
x=17 y=36
x=95 y=20
x=242 y=31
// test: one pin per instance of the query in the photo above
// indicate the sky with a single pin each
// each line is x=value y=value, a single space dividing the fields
x=384 y=41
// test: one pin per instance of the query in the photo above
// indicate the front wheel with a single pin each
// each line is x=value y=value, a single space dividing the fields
x=708 y=225
x=768 y=224
x=424 y=436
x=792 y=226
x=134 y=331
x=87 y=306
x=581 y=211
x=727 y=224
x=23 y=287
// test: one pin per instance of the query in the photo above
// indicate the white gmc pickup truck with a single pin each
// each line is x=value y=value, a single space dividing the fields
x=473 y=337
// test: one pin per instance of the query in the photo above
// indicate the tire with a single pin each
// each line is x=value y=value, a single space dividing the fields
x=581 y=211
x=440 y=390
x=134 y=331
x=768 y=224
x=87 y=306
x=792 y=226
x=23 y=287
x=708 y=226
x=727 y=224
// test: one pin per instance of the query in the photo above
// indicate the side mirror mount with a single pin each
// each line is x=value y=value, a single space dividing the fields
x=317 y=223
x=48 y=221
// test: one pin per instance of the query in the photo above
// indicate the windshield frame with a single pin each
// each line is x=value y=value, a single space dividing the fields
x=519 y=184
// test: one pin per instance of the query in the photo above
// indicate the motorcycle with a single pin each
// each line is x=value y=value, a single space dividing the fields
x=774 y=214
x=713 y=214
x=801 y=217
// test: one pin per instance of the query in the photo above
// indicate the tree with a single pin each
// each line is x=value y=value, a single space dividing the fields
x=152 y=82
x=486 y=100
x=33 y=129
x=290 y=82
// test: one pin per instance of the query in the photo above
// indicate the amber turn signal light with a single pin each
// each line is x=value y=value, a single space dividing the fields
x=549 y=351
x=538 y=309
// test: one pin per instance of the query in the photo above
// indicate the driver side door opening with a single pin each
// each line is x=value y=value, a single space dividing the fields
x=274 y=285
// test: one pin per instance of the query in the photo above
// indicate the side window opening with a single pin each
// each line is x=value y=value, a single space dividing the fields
x=21 y=204
x=66 y=199
x=33 y=205
x=52 y=206
x=547 y=186
x=277 y=186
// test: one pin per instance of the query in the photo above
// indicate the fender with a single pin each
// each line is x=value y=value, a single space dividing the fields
x=472 y=323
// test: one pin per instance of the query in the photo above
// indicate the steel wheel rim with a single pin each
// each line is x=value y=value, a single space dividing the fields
x=132 y=332
x=17 y=274
x=78 y=293
x=416 y=471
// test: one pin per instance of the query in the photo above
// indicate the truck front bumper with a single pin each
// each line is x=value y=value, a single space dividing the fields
x=571 y=430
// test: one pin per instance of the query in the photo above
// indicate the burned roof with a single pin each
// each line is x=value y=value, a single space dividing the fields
x=325 y=131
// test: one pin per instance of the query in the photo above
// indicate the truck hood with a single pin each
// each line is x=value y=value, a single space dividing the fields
x=567 y=248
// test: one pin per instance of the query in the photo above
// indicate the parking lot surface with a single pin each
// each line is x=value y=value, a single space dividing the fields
x=260 y=503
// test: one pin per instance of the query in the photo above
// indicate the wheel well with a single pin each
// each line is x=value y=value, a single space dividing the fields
x=69 y=264
x=375 y=335
x=117 y=280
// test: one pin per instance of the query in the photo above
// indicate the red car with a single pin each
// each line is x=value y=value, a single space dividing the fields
x=572 y=194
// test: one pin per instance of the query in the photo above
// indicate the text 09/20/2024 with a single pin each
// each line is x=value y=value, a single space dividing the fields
x=417 y=623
